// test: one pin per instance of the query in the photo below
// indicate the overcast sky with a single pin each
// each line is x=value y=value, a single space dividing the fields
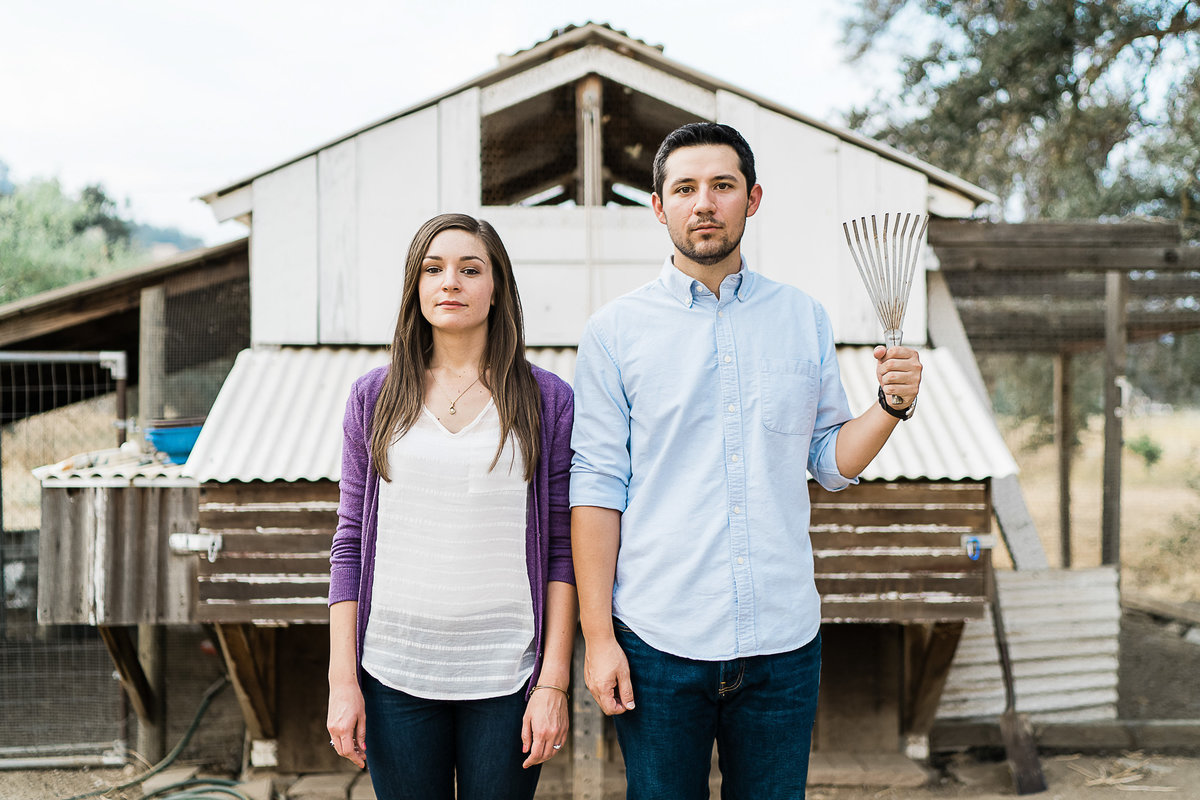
x=163 y=100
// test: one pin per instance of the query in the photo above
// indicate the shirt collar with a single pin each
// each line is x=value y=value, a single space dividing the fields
x=684 y=287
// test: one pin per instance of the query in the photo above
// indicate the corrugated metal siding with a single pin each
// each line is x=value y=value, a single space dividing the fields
x=113 y=468
x=278 y=417
x=952 y=435
x=1062 y=630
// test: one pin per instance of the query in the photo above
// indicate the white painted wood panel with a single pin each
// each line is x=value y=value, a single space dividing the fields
x=338 y=296
x=397 y=193
x=554 y=297
x=459 y=185
x=797 y=167
x=283 y=256
x=600 y=61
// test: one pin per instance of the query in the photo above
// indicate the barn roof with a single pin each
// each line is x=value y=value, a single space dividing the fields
x=564 y=44
x=278 y=417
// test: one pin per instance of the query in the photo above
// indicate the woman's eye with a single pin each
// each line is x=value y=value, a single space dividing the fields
x=470 y=271
x=432 y=269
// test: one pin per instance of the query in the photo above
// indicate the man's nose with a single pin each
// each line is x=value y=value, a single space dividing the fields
x=704 y=200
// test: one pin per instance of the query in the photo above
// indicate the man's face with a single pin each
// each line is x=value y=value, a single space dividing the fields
x=705 y=202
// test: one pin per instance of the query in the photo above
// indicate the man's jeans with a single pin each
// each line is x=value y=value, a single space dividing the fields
x=417 y=748
x=760 y=711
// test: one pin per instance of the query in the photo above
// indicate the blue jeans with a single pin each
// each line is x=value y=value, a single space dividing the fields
x=416 y=747
x=760 y=710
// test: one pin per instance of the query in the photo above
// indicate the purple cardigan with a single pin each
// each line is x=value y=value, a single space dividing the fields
x=548 y=527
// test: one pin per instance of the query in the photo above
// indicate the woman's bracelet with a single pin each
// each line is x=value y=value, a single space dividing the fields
x=537 y=686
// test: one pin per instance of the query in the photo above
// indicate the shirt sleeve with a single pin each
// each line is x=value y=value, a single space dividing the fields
x=600 y=470
x=345 y=565
x=559 y=462
x=833 y=411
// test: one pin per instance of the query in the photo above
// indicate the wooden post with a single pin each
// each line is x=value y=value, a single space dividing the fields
x=152 y=729
x=1064 y=434
x=587 y=732
x=152 y=362
x=1116 y=293
x=589 y=108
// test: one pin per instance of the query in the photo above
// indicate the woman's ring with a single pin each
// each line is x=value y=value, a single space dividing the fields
x=557 y=746
x=331 y=743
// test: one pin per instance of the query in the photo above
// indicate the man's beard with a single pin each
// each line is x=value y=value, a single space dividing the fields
x=725 y=247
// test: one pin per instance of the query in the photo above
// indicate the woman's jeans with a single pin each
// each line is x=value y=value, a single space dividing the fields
x=760 y=710
x=416 y=748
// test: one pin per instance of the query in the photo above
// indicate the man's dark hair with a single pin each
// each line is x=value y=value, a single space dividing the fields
x=698 y=133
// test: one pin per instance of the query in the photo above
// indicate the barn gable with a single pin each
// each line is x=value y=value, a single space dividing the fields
x=554 y=148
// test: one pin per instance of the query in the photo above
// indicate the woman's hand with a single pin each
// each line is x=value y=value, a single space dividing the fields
x=347 y=722
x=544 y=728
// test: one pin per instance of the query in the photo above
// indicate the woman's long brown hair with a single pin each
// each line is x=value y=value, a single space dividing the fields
x=504 y=370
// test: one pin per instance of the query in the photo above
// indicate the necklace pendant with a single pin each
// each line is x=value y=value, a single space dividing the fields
x=452 y=411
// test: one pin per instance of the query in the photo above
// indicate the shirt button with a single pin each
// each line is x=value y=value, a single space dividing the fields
x=720 y=313
x=734 y=457
x=728 y=359
x=731 y=408
x=741 y=560
x=737 y=509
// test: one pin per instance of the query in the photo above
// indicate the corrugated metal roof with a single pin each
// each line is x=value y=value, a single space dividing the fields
x=117 y=467
x=278 y=417
x=951 y=436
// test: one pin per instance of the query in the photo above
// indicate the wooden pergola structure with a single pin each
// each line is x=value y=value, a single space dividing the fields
x=1062 y=288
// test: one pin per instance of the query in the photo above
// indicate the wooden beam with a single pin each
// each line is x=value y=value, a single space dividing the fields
x=1114 y=375
x=1077 y=258
x=1016 y=524
x=250 y=660
x=975 y=232
x=932 y=668
x=122 y=649
x=1064 y=437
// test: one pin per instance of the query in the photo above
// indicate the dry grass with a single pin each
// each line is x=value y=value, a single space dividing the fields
x=1160 y=504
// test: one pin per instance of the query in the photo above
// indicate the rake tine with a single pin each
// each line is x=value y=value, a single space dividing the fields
x=861 y=261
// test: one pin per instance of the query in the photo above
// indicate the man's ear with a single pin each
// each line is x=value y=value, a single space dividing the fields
x=755 y=199
x=656 y=204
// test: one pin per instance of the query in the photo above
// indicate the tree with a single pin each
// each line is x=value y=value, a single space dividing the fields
x=49 y=239
x=1064 y=108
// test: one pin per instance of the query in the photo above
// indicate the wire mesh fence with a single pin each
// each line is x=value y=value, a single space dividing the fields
x=58 y=690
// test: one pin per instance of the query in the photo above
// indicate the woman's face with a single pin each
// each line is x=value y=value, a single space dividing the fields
x=456 y=285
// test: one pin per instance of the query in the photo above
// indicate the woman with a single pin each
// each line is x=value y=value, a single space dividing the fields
x=452 y=599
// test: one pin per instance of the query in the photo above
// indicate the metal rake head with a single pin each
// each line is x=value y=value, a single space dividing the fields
x=886 y=260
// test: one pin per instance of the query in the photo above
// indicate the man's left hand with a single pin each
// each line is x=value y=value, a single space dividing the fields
x=899 y=373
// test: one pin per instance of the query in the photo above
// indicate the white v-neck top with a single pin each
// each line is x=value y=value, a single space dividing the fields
x=451 y=608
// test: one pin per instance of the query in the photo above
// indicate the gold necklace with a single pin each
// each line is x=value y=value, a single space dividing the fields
x=460 y=394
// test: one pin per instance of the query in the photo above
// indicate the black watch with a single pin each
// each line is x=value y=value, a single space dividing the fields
x=898 y=413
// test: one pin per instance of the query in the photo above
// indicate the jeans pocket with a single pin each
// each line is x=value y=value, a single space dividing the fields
x=789 y=389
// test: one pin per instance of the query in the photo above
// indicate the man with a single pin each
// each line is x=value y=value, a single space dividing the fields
x=701 y=398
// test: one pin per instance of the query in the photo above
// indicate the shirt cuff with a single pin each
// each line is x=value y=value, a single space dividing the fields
x=602 y=491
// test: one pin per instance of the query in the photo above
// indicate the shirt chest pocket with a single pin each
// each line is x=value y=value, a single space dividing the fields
x=789 y=389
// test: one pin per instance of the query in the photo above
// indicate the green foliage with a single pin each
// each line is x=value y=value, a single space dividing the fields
x=1064 y=108
x=50 y=239
x=1168 y=369
x=1150 y=450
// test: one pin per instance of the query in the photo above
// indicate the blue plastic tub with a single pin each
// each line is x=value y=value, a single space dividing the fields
x=175 y=442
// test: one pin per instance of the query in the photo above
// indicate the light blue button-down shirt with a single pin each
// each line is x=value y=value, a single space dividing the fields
x=696 y=418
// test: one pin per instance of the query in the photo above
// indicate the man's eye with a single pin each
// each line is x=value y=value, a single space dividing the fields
x=684 y=190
